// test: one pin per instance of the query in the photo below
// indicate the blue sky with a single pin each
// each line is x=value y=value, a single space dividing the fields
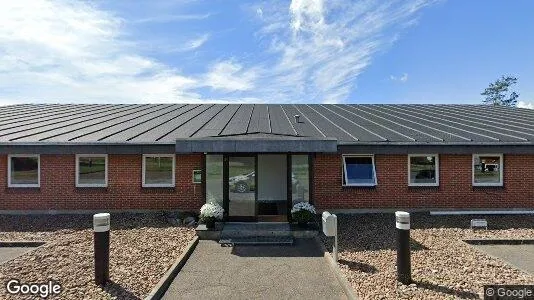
x=300 y=51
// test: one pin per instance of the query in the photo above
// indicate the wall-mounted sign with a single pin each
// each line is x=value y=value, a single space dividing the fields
x=197 y=176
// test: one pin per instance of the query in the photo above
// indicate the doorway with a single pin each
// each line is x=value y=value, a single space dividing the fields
x=272 y=188
x=241 y=187
x=257 y=187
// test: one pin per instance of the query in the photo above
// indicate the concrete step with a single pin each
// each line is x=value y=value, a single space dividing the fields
x=249 y=230
x=257 y=240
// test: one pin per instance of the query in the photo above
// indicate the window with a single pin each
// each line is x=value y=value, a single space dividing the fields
x=158 y=170
x=423 y=170
x=91 y=170
x=487 y=169
x=23 y=170
x=214 y=179
x=359 y=170
x=300 y=178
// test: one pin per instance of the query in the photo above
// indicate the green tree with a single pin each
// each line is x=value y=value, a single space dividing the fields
x=497 y=93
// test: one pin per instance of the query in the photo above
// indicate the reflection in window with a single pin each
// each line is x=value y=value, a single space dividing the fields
x=242 y=186
x=158 y=170
x=487 y=169
x=24 y=171
x=423 y=170
x=300 y=178
x=92 y=170
x=359 y=170
x=214 y=179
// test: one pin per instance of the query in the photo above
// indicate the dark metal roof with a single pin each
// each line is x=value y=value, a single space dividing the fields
x=256 y=142
x=348 y=124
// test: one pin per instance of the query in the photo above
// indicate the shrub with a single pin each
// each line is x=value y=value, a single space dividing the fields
x=211 y=212
x=303 y=212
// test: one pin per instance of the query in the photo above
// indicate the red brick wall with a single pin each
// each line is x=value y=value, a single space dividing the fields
x=455 y=189
x=124 y=191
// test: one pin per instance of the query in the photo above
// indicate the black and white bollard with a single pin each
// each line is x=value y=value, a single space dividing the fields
x=101 y=225
x=330 y=229
x=404 y=268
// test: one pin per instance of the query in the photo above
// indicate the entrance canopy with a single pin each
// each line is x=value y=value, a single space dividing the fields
x=256 y=143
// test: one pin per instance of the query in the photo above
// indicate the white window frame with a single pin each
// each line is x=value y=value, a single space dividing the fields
x=78 y=184
x=344 y=170
x=410 y=183
x=501 y=170
x=15 y=185
x=173 y=184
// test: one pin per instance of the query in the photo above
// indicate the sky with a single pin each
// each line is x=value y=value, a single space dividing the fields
x=234 y=51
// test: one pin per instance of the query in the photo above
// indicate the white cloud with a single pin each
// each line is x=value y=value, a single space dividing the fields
x=306 y=15
x=168 y=46
x=197 y=43
x=166 y=18
x=259 y=12
x=173 y=45
x=321 y=47
x=402 y=78
x=230 y=76
x=524 y=104
x=73 y=51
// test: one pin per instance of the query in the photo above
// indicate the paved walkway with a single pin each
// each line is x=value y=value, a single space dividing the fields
x=521 y=256
x=256 y=272
x=9 y=253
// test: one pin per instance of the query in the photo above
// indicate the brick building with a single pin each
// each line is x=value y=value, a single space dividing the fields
x=258 y=160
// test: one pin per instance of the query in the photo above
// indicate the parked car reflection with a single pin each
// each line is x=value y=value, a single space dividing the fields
x=247 y=183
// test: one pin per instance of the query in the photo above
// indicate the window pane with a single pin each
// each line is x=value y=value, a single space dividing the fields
x=272 y=187
x=242 y=186
x=158 y=170
x=24 y=170
x=359 y=170
x=92 y=170
x=214 y=179
x=487 y=169
x=300 y=178
x=423 y=169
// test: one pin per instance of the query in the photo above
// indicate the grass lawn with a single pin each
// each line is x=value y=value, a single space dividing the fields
x=24 y=177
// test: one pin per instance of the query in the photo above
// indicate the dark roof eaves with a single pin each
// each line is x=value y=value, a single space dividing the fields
x=345 y=143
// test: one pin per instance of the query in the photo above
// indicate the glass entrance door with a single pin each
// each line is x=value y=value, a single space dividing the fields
x=242 y=187
x=272 y=188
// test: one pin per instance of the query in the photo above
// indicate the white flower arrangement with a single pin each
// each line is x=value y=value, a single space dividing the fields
x=210 y=198
x=211 y=210
x=303 y=206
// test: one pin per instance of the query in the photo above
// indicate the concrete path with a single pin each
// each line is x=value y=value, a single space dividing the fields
x=256 y=272
x=9 y=253
x=521 y=256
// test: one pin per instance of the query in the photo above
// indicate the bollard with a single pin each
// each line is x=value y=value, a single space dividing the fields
x=101 y=225
x=404 y=272
x=330 y=229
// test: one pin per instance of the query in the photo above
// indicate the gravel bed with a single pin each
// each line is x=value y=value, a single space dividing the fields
x=443 y=266
x=142 y=248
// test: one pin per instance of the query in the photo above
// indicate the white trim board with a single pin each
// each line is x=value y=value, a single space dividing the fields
x=344 y=171
x=432 y=211
x=24 y=185
x=482 y=212
x=172 y=184
x=78 y=184
x=501 y=169
x=436 y=170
